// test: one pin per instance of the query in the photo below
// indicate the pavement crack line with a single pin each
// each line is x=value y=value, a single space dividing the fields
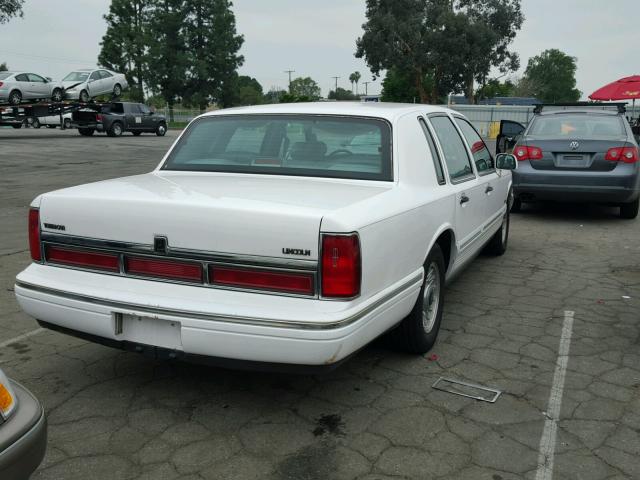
x=549 y=433
x=6 y=343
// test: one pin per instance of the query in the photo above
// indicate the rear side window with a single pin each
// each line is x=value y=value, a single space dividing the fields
x=105 y=74
x=437 y=163
x=117 y=108
x=481 y=155
x=22 y=77
x=455 y=152
x=304 y=145
x=577 y=126
x=95 y=76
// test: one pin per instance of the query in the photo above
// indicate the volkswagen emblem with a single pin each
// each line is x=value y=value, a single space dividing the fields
x=574 y=145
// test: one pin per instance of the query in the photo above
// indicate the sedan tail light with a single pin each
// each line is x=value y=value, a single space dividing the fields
x=82 y=258
x=253 y=278
x=524 y=152
x=622 y=154
x=34 y=234
x=98 y=117
x=160 y=268
x=341 y=266
x=1 y=83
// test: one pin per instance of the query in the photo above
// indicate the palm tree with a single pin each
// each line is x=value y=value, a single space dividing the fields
x=352 y=79
x=356 y=79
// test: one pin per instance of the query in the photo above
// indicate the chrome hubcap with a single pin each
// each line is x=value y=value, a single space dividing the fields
x=431 y=297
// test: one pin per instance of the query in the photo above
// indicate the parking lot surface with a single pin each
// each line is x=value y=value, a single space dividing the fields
x=568 y=285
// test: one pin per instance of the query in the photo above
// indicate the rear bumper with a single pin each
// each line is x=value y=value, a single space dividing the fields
x=28 y=430
x=95 y=126
x=620 y=185
x=216 y=324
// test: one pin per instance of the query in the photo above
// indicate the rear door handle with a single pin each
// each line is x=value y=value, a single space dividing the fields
x=463 y=199
x=488 y=189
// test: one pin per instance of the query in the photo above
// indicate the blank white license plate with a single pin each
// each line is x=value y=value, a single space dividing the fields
x=150 y=331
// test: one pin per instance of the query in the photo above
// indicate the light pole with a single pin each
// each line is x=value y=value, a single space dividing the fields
x=366 y=90
x=336 y=89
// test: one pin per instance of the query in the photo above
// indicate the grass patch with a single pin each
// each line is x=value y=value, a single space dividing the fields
x=178 y=125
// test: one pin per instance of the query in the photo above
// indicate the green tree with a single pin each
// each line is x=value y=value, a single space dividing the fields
x=491 y=26
x=167 y=59
x=411 y=37
x=354 y=78
x=494 y=88
x=3 y=67
x=244 y=90
x=305 y=89
x=10 y=9
x=274 y=95
x=341 y=94
x=399 y=86
x=125 y=42
x=213 y=59
x=552 y=76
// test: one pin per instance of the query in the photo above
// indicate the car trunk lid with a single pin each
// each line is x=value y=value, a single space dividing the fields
x=224 y=213
x=570 y=154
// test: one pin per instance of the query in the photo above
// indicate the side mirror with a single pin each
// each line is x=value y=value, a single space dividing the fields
x=506 y=161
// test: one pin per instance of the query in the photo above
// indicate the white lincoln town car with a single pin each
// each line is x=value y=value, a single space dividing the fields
x=274 y=235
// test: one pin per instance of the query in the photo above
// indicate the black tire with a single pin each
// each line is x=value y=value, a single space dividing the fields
x=498 y=243
x=161 y=129
x=418 y=332
x=87 y=132
x=84 y=96
x=35 y=123
x=117 y=90
x=115 y=130
x=137 y=134
x=57 y=95
x=67 y=123
x=516 y=207
x=17 y=125
x=15 y=97
x=630 y=210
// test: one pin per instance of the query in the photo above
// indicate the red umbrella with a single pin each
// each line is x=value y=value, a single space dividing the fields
x=627 y=88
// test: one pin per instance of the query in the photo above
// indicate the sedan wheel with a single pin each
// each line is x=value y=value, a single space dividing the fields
x=35 y=123
x=417 y=333
x=57 y=95
x=84 y=96
x=117 y=90
x=67 y=123
x=15 y=97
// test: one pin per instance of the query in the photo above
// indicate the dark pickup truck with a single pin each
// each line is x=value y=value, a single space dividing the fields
x=118 y=117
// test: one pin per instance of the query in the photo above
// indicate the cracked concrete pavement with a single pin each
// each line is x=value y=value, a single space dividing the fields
x=117 y=415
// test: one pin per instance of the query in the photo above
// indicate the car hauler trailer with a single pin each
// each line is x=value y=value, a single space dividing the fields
x=19 y=115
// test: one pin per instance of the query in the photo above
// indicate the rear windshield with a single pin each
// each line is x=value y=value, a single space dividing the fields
x=577 y=126
x=304 y=145
x=4 y=75
x=76 y=77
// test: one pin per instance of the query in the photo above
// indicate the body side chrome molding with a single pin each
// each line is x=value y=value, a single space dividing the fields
x=255 y=321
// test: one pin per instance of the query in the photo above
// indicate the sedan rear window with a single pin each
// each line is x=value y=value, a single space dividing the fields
x=303 y=145
x=577 y=126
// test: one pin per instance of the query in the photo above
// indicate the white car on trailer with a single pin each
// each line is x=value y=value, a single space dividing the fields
x=281 y=234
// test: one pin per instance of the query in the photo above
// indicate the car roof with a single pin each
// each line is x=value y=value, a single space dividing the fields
x=388 y=111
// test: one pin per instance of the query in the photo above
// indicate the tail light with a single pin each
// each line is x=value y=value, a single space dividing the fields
x=171 y=269
x=1 y=83
x=98 y=117
x=34 y=234
x=277 y=281
x=341 y=266
x=82 y=258
x=524 y=152
x=622 y=154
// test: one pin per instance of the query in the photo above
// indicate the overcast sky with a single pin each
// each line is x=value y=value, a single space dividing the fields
x=317 y=39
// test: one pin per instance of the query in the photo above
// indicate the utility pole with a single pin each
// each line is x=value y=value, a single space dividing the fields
x=336 y=79
x=366 y=90
x=289 y=72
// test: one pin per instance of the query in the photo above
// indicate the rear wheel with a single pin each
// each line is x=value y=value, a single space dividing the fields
x=498 y=243
x=417 y=333
x=630 y=210
x=161 y=130
x=115 y=130
x=84 y=96
x=117 y=90
x=35 y=123
x=57 y=95
x=87 y=132
x=15 y=97
x=67 y=123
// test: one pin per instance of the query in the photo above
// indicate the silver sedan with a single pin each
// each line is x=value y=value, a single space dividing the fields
x=15 y=87
x=85 y=84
